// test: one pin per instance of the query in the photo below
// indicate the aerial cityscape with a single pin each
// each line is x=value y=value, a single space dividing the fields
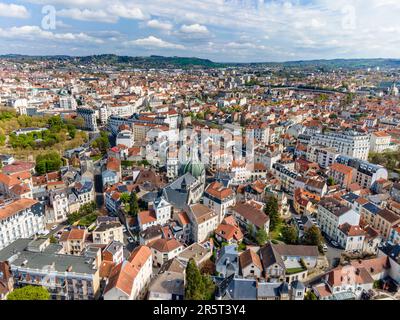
x=168 y=171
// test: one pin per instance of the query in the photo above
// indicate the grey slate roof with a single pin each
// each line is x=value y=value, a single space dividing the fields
x=17 y=255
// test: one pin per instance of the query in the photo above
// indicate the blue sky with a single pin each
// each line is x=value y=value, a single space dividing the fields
x=221 y=30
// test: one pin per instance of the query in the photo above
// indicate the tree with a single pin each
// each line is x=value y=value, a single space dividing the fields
x=194 y=282
x=261 y=237
x=310 y=296
x=313 y=237
x=102 y=143
x=290 y=235
x=48 y=162
x=198 y=286
x=29 y=293
x=133 y=204
x=331 y=181
x=272 y=210
x=250 y=230
x=125 y=198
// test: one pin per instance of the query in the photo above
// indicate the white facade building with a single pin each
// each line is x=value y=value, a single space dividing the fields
x=332 y=214
x=22 y=218
x=350 y=143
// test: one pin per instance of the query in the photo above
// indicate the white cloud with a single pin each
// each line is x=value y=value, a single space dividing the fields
x=348 y=28
x=160 y=25
x=11 y=10
x=110 y=14
x=61 y=24
x=35 y=33
x=87 y=15
x=194 y=28
x=154 y=42
x=126 y=11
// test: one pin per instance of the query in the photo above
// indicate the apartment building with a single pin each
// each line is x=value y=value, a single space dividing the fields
x=332 y=214
x=380 y=141
x=89 y=116
x=350 y=143
x=21 y=218
x=219 y=198
x=384 y=222
x=204 y=221
x=342 y=174
x=126 y=138
x=66 y=277
x=287 y=177
x=367 y=173
x=60 y=205
x=324 y=156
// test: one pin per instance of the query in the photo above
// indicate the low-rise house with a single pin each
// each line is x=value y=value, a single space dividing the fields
x=344 y=283
x=280 y=291
x=150 y=234
x=288 y=262
x=351 y=238
x=84 y=190
x=73 y=241
x=377 y=267
x=250 y=264
x=164 y=250
x=232 y=288
x=228 y=231
x=106 y=232
x=250 y=213
x=113 y=252
x=147 y=219
x=384 y=221
x=169 y=284
x=200 y=253
x=109 y=177
x=130 y=279
x=392 y=252
x=228 y=261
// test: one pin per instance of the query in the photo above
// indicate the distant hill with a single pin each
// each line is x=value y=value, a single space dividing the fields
x=193 y=62
x=135 y=62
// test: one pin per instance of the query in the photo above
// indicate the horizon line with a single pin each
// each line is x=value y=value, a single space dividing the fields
x=194 y=57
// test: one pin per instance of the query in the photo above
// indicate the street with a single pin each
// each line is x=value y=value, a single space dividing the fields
x=333 y=255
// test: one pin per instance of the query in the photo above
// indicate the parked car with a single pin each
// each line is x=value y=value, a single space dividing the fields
x=325 y=247
x=54 y=227
x=334 y=243
x=130 y=240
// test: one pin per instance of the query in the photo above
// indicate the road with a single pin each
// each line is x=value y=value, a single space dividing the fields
x=98 y=187
x=128 y=247
x=333 y=255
